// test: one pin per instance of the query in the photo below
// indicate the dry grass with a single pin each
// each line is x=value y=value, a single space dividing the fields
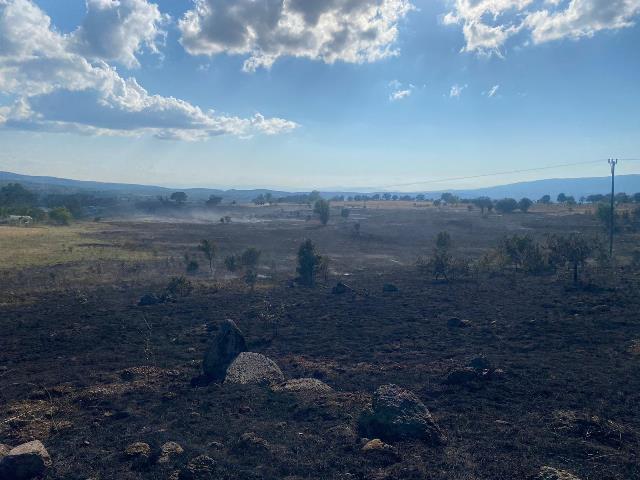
x=22 y=247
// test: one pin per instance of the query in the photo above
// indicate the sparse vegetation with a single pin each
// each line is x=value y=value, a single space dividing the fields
x=208 y=249
x=323 y=210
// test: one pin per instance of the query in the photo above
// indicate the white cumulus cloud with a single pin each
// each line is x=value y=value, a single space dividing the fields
x=55 y=88
x=353 y=31
x=493 y=91
x=487 y=25
x=399 y=91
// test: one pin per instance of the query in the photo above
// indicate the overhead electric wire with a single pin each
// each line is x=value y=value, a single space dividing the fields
x=509 y=172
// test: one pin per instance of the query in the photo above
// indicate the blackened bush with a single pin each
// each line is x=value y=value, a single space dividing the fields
x=309 y=262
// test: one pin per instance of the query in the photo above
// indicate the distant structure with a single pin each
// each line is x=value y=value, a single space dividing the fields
x=19 y=220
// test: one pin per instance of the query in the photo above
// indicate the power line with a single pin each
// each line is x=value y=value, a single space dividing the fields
x=509 y=172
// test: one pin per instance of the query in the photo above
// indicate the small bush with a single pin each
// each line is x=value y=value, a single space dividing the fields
x=179 y=287
x=231 y=263
x=573 y=250
x=323 y=210
x=308 y=263
x=506 y=205
x=344 y=213
x=192 y=267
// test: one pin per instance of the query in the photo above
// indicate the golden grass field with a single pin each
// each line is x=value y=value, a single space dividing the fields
x=24 y=247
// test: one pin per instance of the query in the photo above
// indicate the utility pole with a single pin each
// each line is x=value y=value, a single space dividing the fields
x=612 y=163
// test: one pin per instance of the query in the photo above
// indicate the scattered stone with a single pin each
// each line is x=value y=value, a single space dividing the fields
x=25 y=462
x=149 y=299
x=480 y=363
x=168 y=450
x=227 y=345
x=253 y=369
x=339 y=289
x=381 y=451
x=138 y=450
x=251 y=442
x=201 y=467
x=397 y=413
x=303 y=385
x=461 y=376
x=550 y=473
x=455 y=322
x=389 y=287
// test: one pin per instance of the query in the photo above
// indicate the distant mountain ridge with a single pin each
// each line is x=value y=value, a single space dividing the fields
x=576 y=187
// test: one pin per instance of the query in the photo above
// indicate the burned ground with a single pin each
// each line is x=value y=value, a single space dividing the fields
x=88 y=372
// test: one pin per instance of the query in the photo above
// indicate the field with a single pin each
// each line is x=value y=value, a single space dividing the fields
x=88 y=372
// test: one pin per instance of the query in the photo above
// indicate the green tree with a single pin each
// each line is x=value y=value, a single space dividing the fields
x=573 y=250
x=323 y=210
x=179 y=197
x=506 y=205
x=15 y=195
x=545 y=199
x=213 y=201
x=562 y=198
x=344 y=213
x=308 y=263
x=483 y=203
x=60 y=216
x=524 y=205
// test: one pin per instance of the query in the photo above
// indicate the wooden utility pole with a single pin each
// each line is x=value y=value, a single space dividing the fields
x=612 y=163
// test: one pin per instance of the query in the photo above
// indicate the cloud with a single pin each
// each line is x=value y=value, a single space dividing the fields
x=582 y=18
x=487 y=25
x=118 y=30
x=493 y=91
x=352 y=31
x=54 y=88
x=456 y=91
x=398 y=91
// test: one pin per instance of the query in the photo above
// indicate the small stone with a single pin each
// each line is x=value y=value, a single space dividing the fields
x=550 y=473
x=25 y=462
x=303 y=385
x=138 y=450
x=455 y=322
x=149 y=299
x=199 y=468
x=253 y=369
x=381 y=451
x=250 y=441
x=168 y=450
x=389 y=288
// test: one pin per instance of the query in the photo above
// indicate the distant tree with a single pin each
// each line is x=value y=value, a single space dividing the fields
x=386 y=196
x=443 y=241
x=545 y=199
x=483 y=203
x=437 y=203
x=60 y=216
x=213 y=201
x=313 y=196
x=308 y=263
x=375 y=197
x=231 y=263
x=562 y=198
x=636 y=197
x=449 y=198
x=356 y=228
x=394 y=197
x=15 y=195
x=570 y=200
x=506 y=205
x=178 y=197
x=344 y=213
x=323 y=210
x=573 y=250
x=622 y=198
x=524 y=205
x=595 y=198
x=259 y=200
x=209 y=250
x=250 y=258
x=420 y=197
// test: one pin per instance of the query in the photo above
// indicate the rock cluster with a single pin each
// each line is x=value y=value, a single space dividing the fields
x=24 y=462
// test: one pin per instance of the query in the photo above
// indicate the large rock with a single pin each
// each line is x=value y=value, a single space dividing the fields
x=253 y=369
x=397 y=413
x=227 y=345
x=25 y=462
x=550 y=473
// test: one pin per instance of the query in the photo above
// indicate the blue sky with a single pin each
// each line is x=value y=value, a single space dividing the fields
x=420 y=90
